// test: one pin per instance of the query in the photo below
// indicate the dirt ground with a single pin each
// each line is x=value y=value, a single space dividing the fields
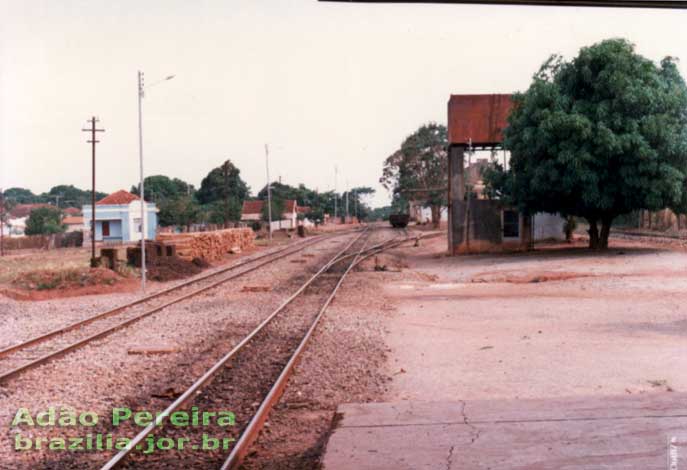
x=21 y=261
x=560 y=321
x=557 y=322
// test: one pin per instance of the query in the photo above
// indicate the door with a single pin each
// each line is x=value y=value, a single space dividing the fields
x=106 y=228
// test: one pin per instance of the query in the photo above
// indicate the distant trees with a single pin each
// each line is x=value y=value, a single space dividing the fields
x=222 y=192
x=598 y=136
x=418 y=169
x=182 y=210
x=173 y=197
x=322 y=203
x=68 y=195
x=44 y=221
x=64 y=195
x=160 y=187
x=382 y=213
x=20 y=196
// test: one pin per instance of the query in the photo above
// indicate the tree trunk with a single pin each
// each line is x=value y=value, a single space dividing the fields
x=605 y=232
x=593 y=234
x=436 y=215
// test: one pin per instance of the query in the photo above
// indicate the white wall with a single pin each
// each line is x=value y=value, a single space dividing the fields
x=548 y=226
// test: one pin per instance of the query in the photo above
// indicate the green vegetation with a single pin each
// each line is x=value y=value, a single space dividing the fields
x=63 y=195
x=44 y=221
x=419 y=170
x=322 y=203
x=596 y=137
x=222 y=193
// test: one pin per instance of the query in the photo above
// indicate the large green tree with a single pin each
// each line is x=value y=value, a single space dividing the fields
x=418 y=170
x=598 y=136
x=182 y=211
x=215 y=186
x=222 y=193
x=44 y=221
x=160 y=188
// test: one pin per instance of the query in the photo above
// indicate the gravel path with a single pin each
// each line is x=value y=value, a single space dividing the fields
x=104 y=375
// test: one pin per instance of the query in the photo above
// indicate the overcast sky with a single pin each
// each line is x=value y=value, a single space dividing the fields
x=324 y=84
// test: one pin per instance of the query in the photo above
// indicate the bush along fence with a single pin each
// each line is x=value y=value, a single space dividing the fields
x=44 y=242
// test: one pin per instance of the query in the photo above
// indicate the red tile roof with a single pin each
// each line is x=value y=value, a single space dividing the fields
x=255 y=207
x=71 y=211
x=303 y=209
x=23 y=210
x=481 y=118
x=117 y=198
x=251 y=207
x=71 y=220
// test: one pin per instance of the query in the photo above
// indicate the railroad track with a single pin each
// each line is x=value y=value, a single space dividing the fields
x=248 y=380
x=46 y=347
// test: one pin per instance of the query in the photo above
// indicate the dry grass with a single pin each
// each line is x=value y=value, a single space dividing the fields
x=15 y=263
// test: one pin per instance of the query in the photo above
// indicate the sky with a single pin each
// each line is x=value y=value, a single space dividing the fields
x=325 y=85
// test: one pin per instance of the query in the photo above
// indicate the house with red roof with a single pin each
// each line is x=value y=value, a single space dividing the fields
x=118 y=218
x=252 y=211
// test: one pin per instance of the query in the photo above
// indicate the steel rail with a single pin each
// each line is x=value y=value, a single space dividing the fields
x=395 y=244
x=198 y=384
x=376 y=247
x=250 y=433
x=111 y=329
x=147 y=298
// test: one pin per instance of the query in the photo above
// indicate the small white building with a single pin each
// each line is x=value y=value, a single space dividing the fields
x=118 y=218
x=252 y=211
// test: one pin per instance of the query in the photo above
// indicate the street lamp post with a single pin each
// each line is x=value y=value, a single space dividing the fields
x=141 y=94
x=269 y=191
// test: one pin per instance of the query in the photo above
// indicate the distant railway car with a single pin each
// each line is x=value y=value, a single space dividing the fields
x=399 y=220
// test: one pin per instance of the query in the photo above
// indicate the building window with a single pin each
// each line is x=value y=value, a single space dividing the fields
x=511 y=224
x=106 y=228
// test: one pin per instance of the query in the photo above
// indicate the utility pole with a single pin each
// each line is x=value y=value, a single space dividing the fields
x=225 y=169
x=141 y=188
x=348 y=191
x=2 y=223
x=336 y=174
x=58 y=196
x=468 y=188
x=141 y=94
x=355 y=201
x=93 y=141
x=269 y=190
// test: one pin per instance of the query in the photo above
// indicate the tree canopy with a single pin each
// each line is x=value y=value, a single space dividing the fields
x=44 y=221
x=223 y=196
x=321 y=203
x=213 y=186
x=160 y=188
x=66 y=195
x=20 y=196
x=418 y=170
x=598 y=136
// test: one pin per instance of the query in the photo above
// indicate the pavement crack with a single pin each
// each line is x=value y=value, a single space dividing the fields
x=474 y=431
x=449 y=458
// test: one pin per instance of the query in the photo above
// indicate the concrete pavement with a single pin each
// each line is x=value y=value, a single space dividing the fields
x=625 y=432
